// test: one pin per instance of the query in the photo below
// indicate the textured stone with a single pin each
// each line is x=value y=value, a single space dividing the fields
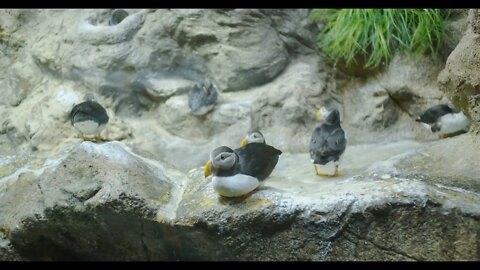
x=383 y=108
x=105 y=202
x=459 y=79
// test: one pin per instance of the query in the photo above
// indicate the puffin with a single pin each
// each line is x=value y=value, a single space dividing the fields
x=443 y=119
x=328 y=141
x=202 y=98
x=240 y=171
x=253 y=136
x=89 y=118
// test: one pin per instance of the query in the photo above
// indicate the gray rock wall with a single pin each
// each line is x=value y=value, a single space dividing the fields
x=105 y=202
x=460 y=79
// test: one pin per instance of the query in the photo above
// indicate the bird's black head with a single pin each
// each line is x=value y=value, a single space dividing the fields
x=333 y=118
x=205 y=88
x=432 y=114
x=206 y=83
x=215 y=152
x=255 y=136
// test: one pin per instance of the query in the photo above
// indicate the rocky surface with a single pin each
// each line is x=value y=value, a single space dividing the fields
x=459 y=80
x=455 y=27
x=105 y=202
x=84 y=192
x=404 y=195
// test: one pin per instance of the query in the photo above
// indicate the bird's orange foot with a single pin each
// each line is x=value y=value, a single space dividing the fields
x=319 y=173
x=337 y=174
x=99 y=138
x=86 y=138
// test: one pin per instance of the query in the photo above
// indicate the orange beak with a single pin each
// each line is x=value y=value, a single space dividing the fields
x=244 y=141
x=318 y=114
x=207 y=170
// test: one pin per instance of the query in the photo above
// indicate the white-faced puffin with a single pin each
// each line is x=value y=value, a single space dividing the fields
x=240 y=171
x=253 y=136
x=328 y=141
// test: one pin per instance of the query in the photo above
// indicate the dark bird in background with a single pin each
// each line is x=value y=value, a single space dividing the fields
x=202 y=97
x=443 y=119
x=89 y=118
x=240 y=171
x=328 y=141
x=118 y=15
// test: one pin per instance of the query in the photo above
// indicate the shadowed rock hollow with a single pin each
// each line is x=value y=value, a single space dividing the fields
x=141 y=195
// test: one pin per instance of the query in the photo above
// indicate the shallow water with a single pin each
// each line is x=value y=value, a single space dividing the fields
x=295 y=173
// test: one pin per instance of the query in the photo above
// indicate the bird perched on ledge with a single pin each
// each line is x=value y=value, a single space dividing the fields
x=443 y=119
x=202 y=98
x=328 y=141
x=253 y=136
x=89 y=118
x=240 y=171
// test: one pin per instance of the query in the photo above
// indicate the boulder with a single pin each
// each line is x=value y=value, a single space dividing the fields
x=106 y=202
x=459 y=79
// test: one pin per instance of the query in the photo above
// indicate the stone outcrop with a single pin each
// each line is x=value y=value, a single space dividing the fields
x=105 y=202
x=460 y=79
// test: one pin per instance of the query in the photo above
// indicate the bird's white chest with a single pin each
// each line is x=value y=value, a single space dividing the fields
x=453 y=122
x=234 y=186
x=88 y=127
x=427 y=126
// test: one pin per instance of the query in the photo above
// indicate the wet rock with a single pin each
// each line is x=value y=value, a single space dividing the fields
x=230 y=42
x=99 y=183
x=447 y=163
x=105 y=202
x=165 y=88
x=93 y=31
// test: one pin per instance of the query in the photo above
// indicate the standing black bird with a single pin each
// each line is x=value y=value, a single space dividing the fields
x=443 y=119
x=328 y=142
x=202 y=97
x=89 y=117
x=238 y=172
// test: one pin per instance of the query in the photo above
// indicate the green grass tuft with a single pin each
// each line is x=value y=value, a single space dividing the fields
x=378 y=33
